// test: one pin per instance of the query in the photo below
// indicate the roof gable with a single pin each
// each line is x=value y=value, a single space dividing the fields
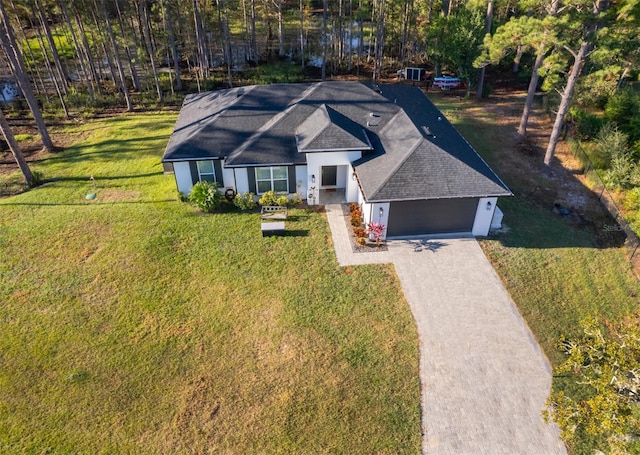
x=328 y=130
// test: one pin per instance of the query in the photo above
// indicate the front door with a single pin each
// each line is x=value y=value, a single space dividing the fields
x=329 y=176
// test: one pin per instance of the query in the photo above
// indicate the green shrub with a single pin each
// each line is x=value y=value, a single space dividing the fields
x=273 y=198
x=623 y=171
x=268 y=198
x=587 y=125
x=205 y=196
x=282 y=200
x=623 y=109
x=295 y=199
x=245 y=201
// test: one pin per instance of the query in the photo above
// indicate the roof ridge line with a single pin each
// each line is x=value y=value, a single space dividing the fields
x=212 y=118
x=274 y=120
x=398 y=165
x=319 y=130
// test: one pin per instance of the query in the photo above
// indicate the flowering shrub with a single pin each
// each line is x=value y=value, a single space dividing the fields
x=375 y=231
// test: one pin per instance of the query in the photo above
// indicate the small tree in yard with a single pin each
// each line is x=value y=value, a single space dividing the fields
x=205 y=196
x=607 y=364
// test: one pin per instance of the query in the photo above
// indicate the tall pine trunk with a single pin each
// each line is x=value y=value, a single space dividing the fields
x=52 y=75
x=487 y=30
x=30 y=67
x=226 y=40
x=324 y=39
x=146 y=29
x=87 y=51
x=127 y=50
x=116 y=58
x=255 y=57
x=200 y=41
x=52 y=47
x=172 y=45
x=79 y=54
x=280 y=29
x=533 y=85
x=533 y=82
x=15 y=149
x=579 y=60
x=301 y=33
x=8 y=40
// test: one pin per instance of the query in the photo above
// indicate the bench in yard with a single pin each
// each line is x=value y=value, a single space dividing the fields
x=272 y=228
x=273 y=212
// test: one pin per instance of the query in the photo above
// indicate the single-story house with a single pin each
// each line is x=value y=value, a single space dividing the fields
x=386 y=147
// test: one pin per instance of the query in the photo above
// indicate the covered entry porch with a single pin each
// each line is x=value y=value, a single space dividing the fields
x=333 y=196
x=330 y=178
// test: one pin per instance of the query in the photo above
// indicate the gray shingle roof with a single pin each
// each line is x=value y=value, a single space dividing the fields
x=417 y=153
x=328 y=130
x=433 y=161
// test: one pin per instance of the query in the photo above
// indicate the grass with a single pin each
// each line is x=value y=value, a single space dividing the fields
x=134 y=324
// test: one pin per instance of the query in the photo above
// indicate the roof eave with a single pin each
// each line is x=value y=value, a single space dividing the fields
x=441 y=197
x=346 y=149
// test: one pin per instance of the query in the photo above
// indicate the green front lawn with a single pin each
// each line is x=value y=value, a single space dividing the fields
x=134 y=324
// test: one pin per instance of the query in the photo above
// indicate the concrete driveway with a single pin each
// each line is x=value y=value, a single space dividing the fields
x=484 y=378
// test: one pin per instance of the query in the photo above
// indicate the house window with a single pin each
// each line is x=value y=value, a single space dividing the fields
x=272 y=178
x=206 y=172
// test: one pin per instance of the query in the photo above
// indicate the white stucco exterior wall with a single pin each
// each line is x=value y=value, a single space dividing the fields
x=316 y=160
x=484 y=215
x=378 y=217
x=183 y=176
x=301 y=182
x=228 y=179
x=242 y=180
x=352 y=191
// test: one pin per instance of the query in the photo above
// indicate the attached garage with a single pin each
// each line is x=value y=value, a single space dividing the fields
x=431 y=216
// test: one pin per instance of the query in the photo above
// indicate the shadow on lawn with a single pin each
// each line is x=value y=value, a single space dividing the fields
x=108 y=150
x=84 y=203
x=296 y=233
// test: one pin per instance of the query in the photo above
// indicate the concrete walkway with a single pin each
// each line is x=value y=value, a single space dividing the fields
x=484 y=378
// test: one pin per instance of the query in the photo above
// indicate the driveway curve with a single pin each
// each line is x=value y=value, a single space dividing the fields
x=484 y=378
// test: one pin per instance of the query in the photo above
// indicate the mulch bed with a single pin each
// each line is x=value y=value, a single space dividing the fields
x=369 y=247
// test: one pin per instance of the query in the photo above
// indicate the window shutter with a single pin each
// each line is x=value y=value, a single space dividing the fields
x=251 y=176
x=217 y=169
x=195 y=177
x=291 y=171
